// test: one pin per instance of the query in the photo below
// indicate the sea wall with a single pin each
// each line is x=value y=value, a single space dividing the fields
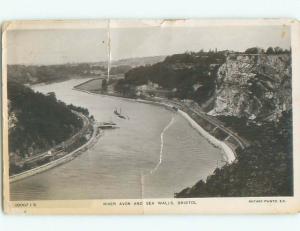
x=229 y=153
x=80 y=84
x=57 y=162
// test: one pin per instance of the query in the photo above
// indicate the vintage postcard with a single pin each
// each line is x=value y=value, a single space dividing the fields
x=151 y=116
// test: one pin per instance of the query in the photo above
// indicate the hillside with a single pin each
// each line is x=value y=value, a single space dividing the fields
x=51 y=73
x=250 y=93
x=263 y=169
x=36 y=121
x=253 y=97
x=31 y=74
x=256 y=86
x=185 y=76
x=138 y=61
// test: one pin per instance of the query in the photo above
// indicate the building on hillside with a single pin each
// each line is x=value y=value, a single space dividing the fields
x=152 y=89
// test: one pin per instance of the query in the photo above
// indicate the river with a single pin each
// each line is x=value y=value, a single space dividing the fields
x=153 y=154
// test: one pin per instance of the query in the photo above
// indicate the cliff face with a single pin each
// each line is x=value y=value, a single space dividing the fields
x=257 y=87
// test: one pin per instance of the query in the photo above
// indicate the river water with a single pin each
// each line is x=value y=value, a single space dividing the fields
x=153 y=154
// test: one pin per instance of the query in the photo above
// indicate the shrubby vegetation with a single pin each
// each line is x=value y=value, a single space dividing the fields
x=79 y=109
x=42 y=120
x=190 y=75
x=263 y=169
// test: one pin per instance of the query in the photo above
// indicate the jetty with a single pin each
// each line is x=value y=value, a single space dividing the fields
x=106 y=125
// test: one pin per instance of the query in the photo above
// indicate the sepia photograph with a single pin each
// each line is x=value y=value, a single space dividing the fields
x=167 y=112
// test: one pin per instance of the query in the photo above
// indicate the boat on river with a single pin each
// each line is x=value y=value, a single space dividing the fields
x=119 y=114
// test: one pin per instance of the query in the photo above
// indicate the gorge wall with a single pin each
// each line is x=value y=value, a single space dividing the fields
x=257 y=86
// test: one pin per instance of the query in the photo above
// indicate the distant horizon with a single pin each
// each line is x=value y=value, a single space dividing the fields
x=137 y=57
x=71 y=46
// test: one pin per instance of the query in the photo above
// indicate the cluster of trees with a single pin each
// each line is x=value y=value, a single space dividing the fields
x=270 y=50
x=263 y=169
x=42 y=120
x=50 y=73
x=180 y=72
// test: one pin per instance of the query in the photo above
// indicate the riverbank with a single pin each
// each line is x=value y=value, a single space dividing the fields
x=112 y=168
x=225 y=146
x=229 y=153
x=68 y=157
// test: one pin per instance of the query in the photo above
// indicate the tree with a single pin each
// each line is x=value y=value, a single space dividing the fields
x=252 y=50
x=270 y=50
x=278 y=50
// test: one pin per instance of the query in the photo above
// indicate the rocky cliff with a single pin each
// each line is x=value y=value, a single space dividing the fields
x=257 y=87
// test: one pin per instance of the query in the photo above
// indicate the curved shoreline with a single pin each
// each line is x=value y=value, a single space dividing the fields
x=54 y=163
x=228 y=152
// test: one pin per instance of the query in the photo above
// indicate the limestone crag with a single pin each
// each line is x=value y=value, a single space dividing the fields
x=257 y=87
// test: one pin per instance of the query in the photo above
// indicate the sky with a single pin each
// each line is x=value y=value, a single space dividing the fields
x=44 y=47
x=56 y=46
